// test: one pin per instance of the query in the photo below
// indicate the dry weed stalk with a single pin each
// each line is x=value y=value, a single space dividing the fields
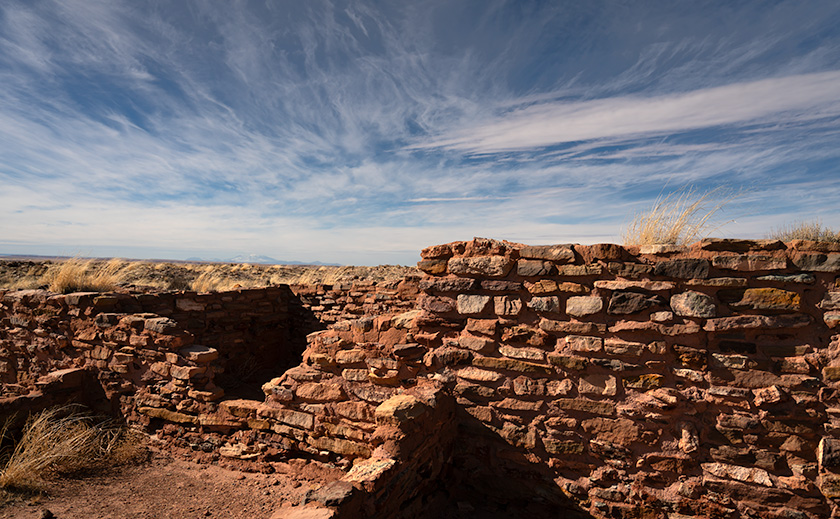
x=802 y=230
x=61 y=440
x=678 y=219
x=75 y=275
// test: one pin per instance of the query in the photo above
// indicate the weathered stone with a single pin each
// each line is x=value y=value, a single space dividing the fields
x=433 y=266
x=167 y=415
x=549 y=325
x=604 y=385
x=559 y=387
x=556 y=253
x=832 y=319
x=620 y=431
x=828 y=453
x=287 y=416
x=654 y=286
x=478 y=375
x=547 y=304
x=399 y=410
x=500 y=285
x=368 y=470
x=673 y=330
x=684 y=268
x=693 y=304
x=689 y=440
x=507 y=305
x=537 y=370
x=584 y=405
x=319 y=392
x=472 y=304
x=646 y=381
x=512 y=404
x=522 y=353
x=491 y=266
x=411 y=350
x=473 y=392
x=736 y=245
x=198 y=353
x=632 y=302
x=830 y=486
x=437 y=304
x=355 y=375
x=615 y=346
x=584 y=343
x=447 y=284
x=476 y=343
x=352 y=356
x=568 y=361
x=563 y=447
x=439 y=251
x=718 y=282
x=769 y=395
x=580 y=270
x=731 y=361
x=533 y=268
x=584 y=305
x=831 y=373
x=542 y=287
x=452 y=356
x=527 y=386
x=747 y=475
x=831 y=301
x=750 y=379
x=762 y=299
x=185 y=372
x=817 y=262
x=750 y=262
x=161 y=325
x=65 y=378
x=806 y=279
x=630 y=270
x=745 y=322
x=662 y=317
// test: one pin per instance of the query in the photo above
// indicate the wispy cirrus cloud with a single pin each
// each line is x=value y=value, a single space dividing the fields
x=793 y=99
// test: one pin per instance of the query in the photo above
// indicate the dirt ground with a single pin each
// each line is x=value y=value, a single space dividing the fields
x=164 y=487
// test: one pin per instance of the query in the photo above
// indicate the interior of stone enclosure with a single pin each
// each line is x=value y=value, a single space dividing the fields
x=596 y=380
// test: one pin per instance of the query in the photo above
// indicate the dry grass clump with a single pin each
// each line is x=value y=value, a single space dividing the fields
x=214 y=280
x=75 y=275
x=679 y=218
x=62 y=441
x=813 y=231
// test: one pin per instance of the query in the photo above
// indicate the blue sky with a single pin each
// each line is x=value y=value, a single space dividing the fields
x=360 y=132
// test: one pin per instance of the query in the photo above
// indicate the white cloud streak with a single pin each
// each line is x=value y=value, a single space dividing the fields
x=796 y=98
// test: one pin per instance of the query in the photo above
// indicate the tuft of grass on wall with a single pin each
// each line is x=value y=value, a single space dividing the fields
x=803 y=230
x=75 y=275
x=61 y=441
x=680 y=218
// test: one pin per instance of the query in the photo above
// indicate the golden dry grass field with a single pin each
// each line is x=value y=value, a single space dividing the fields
x=71 y=275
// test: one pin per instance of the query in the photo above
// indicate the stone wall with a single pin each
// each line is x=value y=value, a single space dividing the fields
x=657 y=382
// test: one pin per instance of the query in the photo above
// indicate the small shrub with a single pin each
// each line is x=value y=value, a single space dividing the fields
x=75 y=275
x=61 y=441
x=679 y=218
x=812 y=230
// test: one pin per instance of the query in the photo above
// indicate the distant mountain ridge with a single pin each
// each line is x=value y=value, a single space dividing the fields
x=263 y=260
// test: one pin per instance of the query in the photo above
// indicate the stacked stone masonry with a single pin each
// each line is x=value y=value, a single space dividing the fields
x=668 y=382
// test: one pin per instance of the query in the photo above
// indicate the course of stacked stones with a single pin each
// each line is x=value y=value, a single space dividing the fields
x=600 y=380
